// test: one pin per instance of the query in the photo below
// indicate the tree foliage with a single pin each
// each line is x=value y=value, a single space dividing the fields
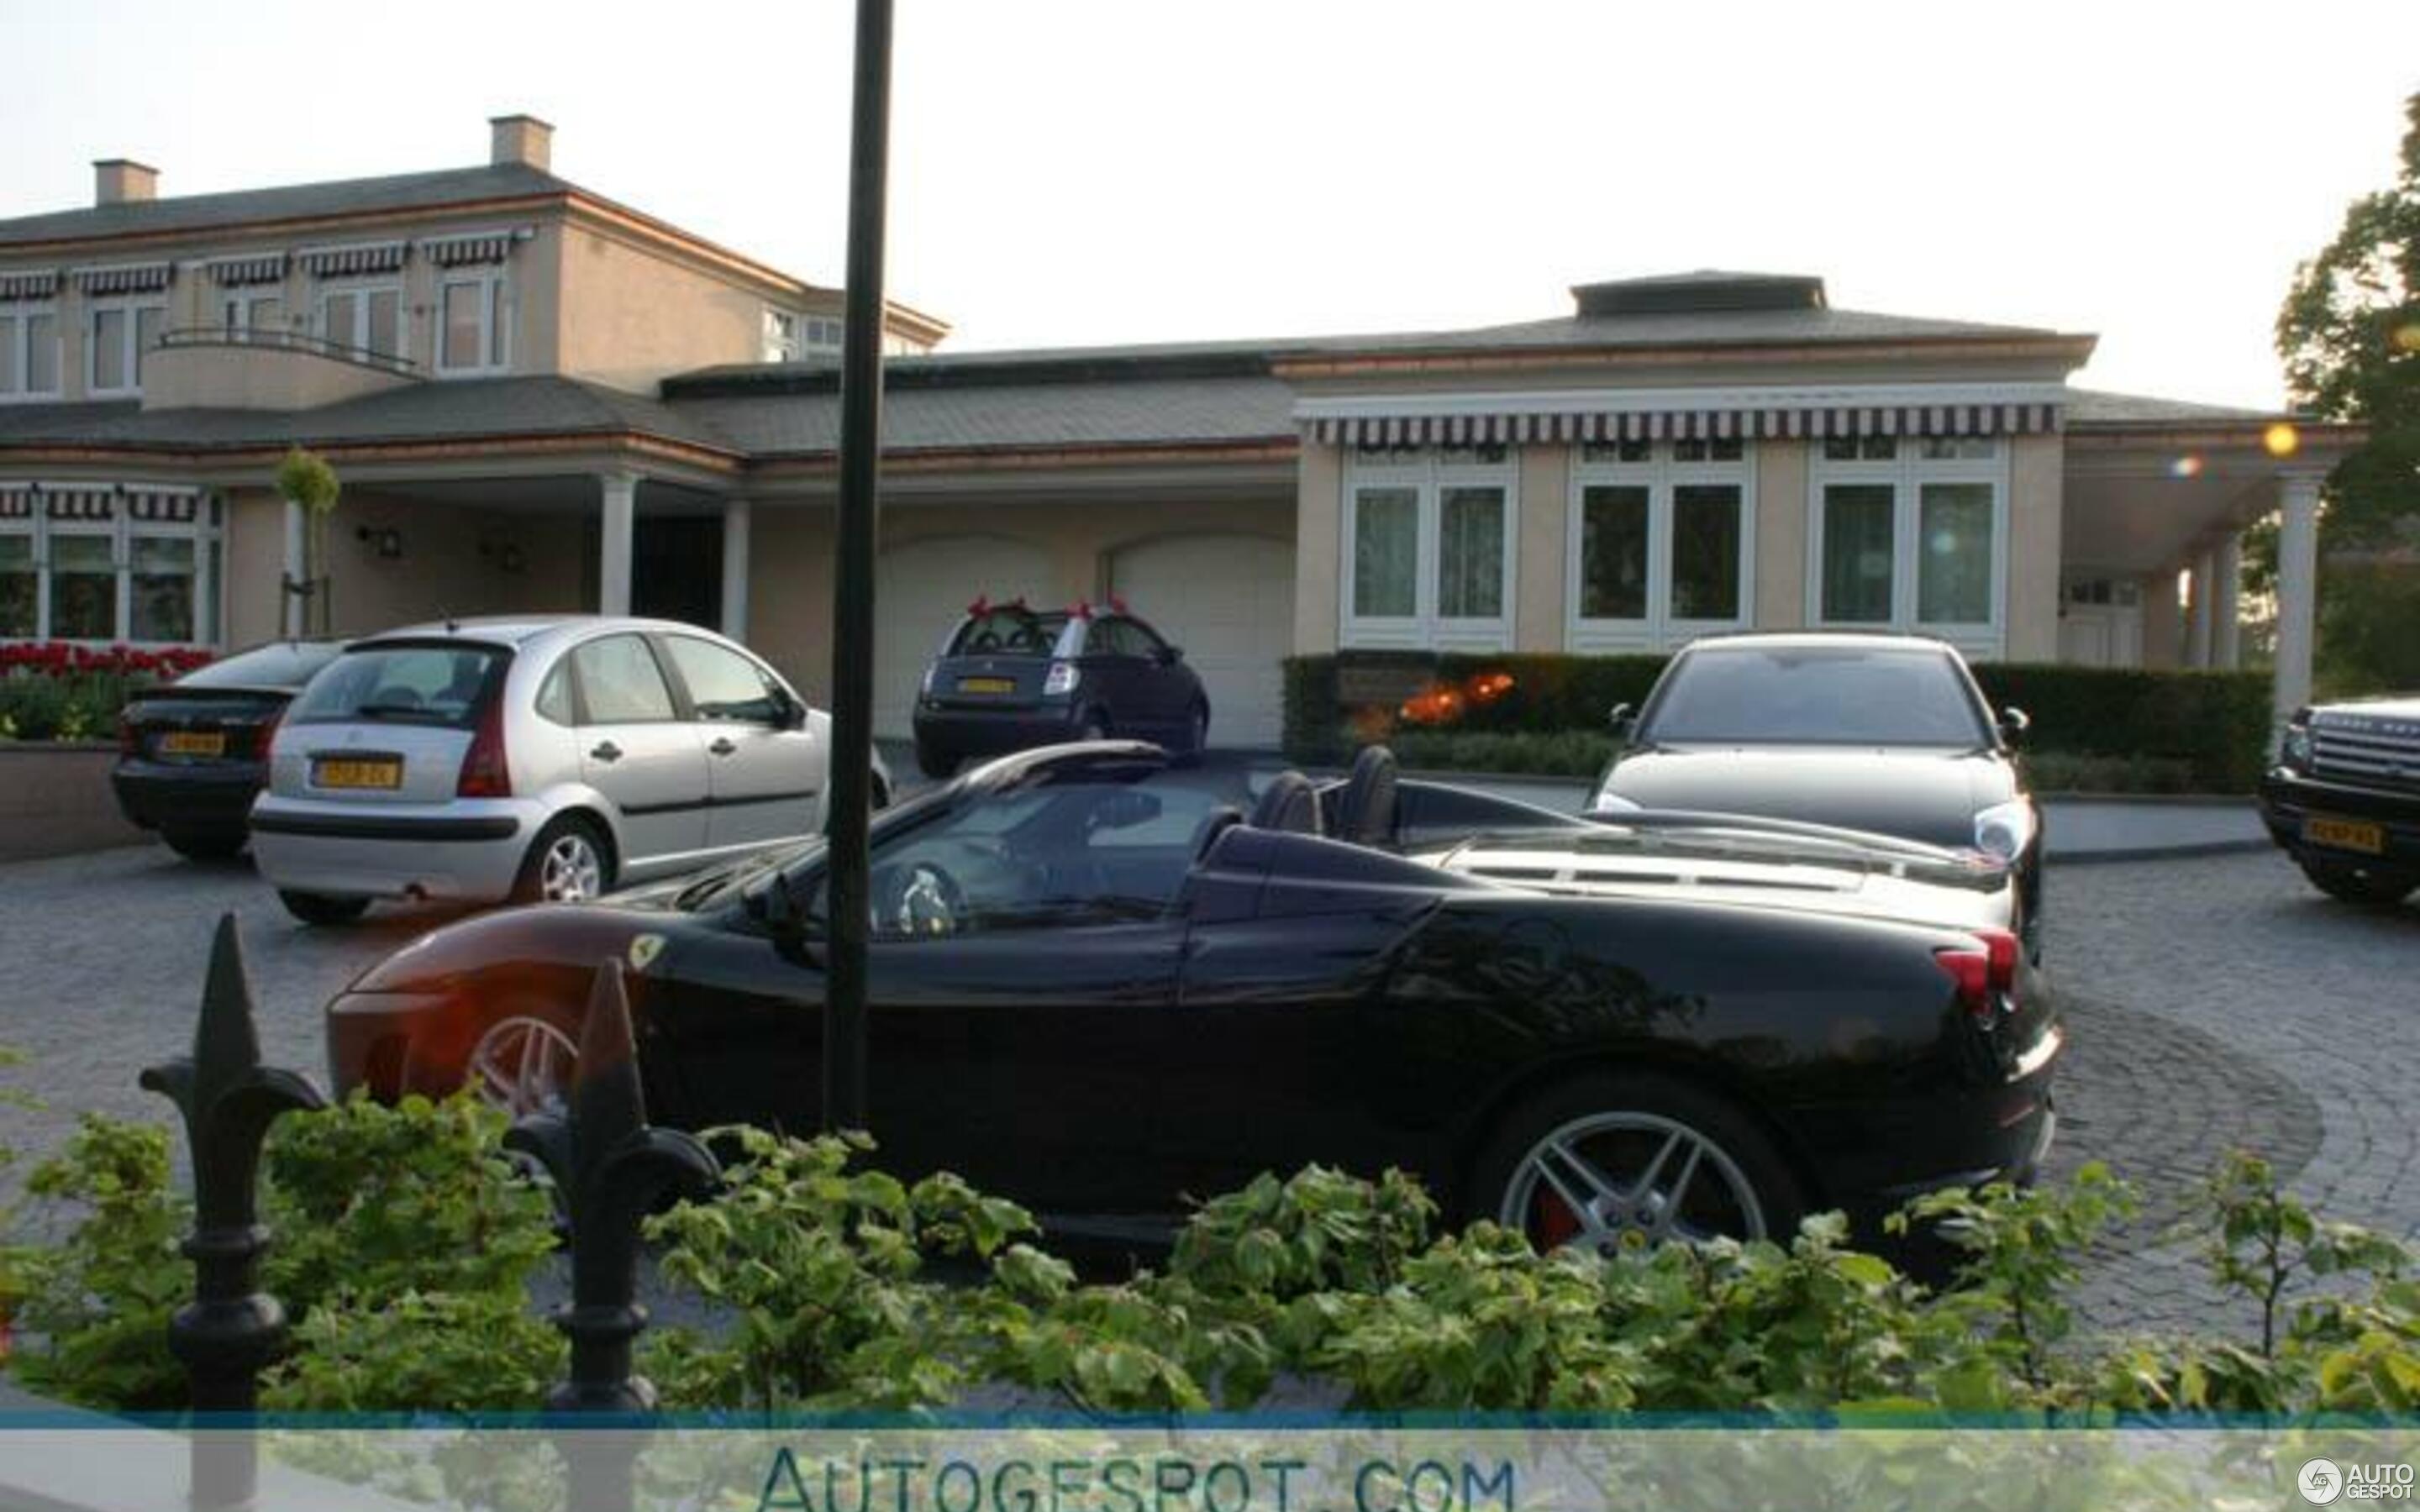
x=2349 y=337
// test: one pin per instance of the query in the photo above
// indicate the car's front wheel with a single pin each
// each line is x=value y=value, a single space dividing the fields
x=934 y=762
x=321 y=908
x=2371 y=887
x=569 y=862
x=1614 y=1162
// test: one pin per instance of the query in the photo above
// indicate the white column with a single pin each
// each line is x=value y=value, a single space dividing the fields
x=2298 y=589
x=619 y=513
x=2225 y=611
x=2197 y=627
x=290 y=611
x=735 y=568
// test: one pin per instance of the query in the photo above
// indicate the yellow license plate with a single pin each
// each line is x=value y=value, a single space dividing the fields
x=2345 y=835
x=384 y=773
x=193 y=743
x=986 y=684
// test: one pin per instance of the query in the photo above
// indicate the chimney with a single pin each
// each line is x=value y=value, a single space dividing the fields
x=123 y=181
x=522 y=139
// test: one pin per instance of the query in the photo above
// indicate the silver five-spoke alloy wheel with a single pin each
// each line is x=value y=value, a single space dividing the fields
x=570 y=871
x=1614 y=1181
x=523 y=1066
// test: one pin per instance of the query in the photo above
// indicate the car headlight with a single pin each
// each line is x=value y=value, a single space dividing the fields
x=2294 y=747
x=925 y=688
x=2004 y=829
x=1609 y=801
x=1062 y=679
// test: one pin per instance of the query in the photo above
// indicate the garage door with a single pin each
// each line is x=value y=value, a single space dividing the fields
x=921 y=590
x=1229 y=601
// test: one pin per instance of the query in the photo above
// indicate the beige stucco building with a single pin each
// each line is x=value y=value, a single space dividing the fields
x=540 y=399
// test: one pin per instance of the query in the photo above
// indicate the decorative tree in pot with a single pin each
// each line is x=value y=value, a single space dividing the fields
x=306 y=480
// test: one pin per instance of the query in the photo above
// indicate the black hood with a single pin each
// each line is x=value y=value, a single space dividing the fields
x=1931 y=795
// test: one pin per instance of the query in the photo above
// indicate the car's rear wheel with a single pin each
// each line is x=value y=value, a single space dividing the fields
x=569 y=862
x=321 y=908
x=2371 y=887
x=204 y=844
x=1614 y=1162
x=1095 y=727
x=934 y=762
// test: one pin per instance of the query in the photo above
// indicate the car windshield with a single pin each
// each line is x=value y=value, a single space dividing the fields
x=281 y=664
x=1815 y=695
x=1010 y=632
x=434 y=685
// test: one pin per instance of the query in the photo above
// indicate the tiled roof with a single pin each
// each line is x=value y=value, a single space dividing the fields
x=1176 y=411
x=2093 y=407
x=346 y=196
x=472 y=409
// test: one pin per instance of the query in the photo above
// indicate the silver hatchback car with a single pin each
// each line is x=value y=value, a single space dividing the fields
x=538 y=757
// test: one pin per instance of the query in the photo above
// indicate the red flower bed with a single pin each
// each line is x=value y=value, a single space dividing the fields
x=62 y=658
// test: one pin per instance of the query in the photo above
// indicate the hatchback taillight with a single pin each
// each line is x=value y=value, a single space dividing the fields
x=1985 y=972
x=128 y=742
x=265 y=733
x=485 y=774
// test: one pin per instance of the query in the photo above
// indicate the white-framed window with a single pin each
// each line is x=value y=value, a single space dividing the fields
x=824 y=333
x=1910 y=533
x=147 y=583
x=781 y=337
x=363 y=318
x=473 y=322
x=117 y=332
x=1662 y=545
x=29 y=352
x=1428 y=547
x=243 y=311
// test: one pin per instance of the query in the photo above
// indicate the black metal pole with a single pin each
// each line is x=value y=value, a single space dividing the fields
x=860 y=457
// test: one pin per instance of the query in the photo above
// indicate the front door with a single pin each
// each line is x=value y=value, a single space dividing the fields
x=765 y=772
x=676 y=568
x=636 y=749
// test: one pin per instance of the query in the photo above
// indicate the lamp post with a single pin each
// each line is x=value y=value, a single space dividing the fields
x=860 y=444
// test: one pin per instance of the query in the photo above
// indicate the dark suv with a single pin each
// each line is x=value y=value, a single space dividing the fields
x=2343 y=797
x=1010 y=678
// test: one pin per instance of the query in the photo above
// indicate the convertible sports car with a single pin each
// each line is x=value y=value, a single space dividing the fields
x=1100 y=987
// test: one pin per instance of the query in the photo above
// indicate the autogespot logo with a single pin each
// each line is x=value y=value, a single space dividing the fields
x=2323 y=1481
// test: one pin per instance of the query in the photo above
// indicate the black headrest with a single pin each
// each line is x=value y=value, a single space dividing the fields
x=1365 y=813
x=1289 y=803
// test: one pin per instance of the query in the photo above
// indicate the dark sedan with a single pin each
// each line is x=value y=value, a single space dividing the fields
x=193 y=754
x=1887 y=733
x=1010 y=678
x=1100 y=987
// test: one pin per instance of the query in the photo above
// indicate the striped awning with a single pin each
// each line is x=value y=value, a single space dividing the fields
x=1517 y=425
x=79 y=503
x=124 y=278
x=357 y=258
x=16 y=501
x=150 y=504
x=475 y=247
x=265 y=268
x=169 y=506
x=29 y=284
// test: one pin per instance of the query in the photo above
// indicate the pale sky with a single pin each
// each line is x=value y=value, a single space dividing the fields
x=1072 y=172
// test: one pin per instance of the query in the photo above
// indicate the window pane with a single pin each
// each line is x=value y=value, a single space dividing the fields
x=109 y=348
x=1386 y=552
x=1613 y=553
x=619 y=679
x=161 y=593
x=1470 y=554
x=1953 y=584
x=11 y=371
x=1705 y=551
x=268 y=312
x=340 y=319
x=83 y=589
x=17 y=587
x=383 y=336
x=461 y=333
x=721 y=684
x=147 y=335
x=1857 y=554
x=41 y=354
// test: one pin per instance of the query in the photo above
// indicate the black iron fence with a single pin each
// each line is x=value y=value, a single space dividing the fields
x=610 y=1167
x=292 y=341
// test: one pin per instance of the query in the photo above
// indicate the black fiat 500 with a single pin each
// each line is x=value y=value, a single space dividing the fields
x=1010 y=678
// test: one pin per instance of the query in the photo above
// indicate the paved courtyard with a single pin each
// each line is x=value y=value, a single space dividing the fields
x=2215 y=1003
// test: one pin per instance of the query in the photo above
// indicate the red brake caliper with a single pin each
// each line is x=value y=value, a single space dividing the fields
x=1557 y=1224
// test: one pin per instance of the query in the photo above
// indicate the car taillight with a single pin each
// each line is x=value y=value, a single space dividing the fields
x=265 y=734
x=484 y=772
x=1985 y=972
x=129 y=742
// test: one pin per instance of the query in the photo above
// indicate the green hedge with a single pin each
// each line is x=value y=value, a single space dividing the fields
x=2214 y=725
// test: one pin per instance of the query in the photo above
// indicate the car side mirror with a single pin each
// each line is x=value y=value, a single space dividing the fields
x=2014 y=722
x=1170 y=655
x=1621 y=717
x=792 y=714
x=791 y=926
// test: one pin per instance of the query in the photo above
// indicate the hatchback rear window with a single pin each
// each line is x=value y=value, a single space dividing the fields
x=1008 y=632
x=428 y=685
x=281 y=664
x=1816 y=695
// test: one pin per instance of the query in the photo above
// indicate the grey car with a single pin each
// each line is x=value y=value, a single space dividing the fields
x=533 y=757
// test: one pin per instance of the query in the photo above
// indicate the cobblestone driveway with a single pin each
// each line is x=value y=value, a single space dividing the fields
x=2214 y=1003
